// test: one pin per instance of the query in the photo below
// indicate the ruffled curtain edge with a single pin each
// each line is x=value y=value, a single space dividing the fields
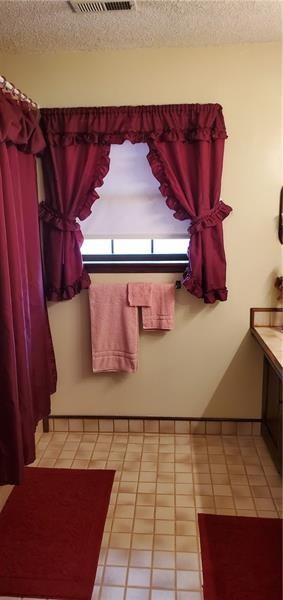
x=69 y=291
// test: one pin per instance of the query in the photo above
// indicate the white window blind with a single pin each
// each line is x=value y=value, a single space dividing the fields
x=130 y=203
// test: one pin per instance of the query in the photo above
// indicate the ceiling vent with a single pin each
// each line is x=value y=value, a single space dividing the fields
x=99 y=7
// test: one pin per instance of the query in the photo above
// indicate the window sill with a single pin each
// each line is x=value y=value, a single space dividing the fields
x=135 y=263
x=169 y=267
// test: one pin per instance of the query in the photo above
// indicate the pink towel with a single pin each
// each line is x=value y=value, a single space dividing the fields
x=114 y=329
x=160 y=315
x=139 y=294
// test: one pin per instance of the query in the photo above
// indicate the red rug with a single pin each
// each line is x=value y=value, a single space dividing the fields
x=50 y=533
x=241 y=557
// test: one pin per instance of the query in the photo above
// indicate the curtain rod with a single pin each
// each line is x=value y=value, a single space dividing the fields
x=10 y=88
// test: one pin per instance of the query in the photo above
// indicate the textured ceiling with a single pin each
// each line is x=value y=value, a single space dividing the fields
x=51 y=25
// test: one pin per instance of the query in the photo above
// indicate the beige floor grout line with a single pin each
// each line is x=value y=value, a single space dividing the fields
x=246 y=473
x=229 y=473
x=175 y=520
x=113 y=439
x=154 y=516
x=129 y=549
x=267 y=482
x=107 y=547
x=145 y=438
x=113 y=518
x=196 y=514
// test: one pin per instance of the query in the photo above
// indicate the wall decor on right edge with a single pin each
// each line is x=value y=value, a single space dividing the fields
x=280 y=224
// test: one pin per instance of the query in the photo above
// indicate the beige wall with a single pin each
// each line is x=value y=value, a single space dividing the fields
x=209 y=365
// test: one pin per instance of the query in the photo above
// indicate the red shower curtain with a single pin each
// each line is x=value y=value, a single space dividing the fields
x=27 y=365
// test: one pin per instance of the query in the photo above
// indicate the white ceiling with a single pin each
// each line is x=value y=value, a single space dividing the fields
x=51 y=25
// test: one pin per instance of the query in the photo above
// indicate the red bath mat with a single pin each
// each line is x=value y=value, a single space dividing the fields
x=241 y=557
x=50 y=533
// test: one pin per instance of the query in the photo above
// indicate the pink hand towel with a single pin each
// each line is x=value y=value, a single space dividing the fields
x=139 y=294
x=114 y=329
x=160 y=315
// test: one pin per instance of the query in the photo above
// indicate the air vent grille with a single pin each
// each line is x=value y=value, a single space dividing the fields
x=97 y=7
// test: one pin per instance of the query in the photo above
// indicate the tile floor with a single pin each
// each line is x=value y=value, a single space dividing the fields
x=150 y=548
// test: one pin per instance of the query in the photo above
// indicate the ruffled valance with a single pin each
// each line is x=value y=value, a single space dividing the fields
x=19 y=125
x=114 y=125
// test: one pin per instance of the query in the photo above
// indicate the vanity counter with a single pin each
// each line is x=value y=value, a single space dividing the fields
x=266 y=328
x=271 y=341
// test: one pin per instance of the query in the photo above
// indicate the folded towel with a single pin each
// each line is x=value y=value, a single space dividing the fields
x=139 y=294
x=114 y=329
x=160 y=315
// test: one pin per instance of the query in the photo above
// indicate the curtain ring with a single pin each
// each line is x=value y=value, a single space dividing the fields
x=5 y=89
x=14 y=95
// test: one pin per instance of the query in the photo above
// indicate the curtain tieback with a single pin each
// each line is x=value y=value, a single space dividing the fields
x=56 y=220
x=214 y=216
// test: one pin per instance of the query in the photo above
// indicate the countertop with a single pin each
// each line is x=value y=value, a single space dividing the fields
x=271 y=341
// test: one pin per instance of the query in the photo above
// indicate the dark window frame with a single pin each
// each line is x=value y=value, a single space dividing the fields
x=135 y=263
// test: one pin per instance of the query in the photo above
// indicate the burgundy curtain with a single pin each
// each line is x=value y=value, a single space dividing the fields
x=190 y=178
x=72 y=169
x=27 y=365
x=186 y=145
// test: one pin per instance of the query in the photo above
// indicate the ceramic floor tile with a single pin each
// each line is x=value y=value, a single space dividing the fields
x=165 y=527
x=242 y=491
x=163 y=512
x=186 y=543
x=204 y=502
x=276 y=492
x=145 y=512
x=137 y=594
x=112 y=593
x=264 y=503
x=185 y=514
x=164 y=542
x=150 y=548
x=188 y=580
x=162 y=595
x=259 y=491
x=117 y=557
x=139 y=577
x=143 y=526
x=187 y=561
x=140 y=558
x=123 y=511
x=222 y=490
x=122 y=525
x=189 y=595
x=164 y=560
x=118 y=540
x=163 y=578
x=243 y=503
x=142 y=541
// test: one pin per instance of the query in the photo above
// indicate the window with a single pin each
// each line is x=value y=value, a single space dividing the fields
x=130 y=223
